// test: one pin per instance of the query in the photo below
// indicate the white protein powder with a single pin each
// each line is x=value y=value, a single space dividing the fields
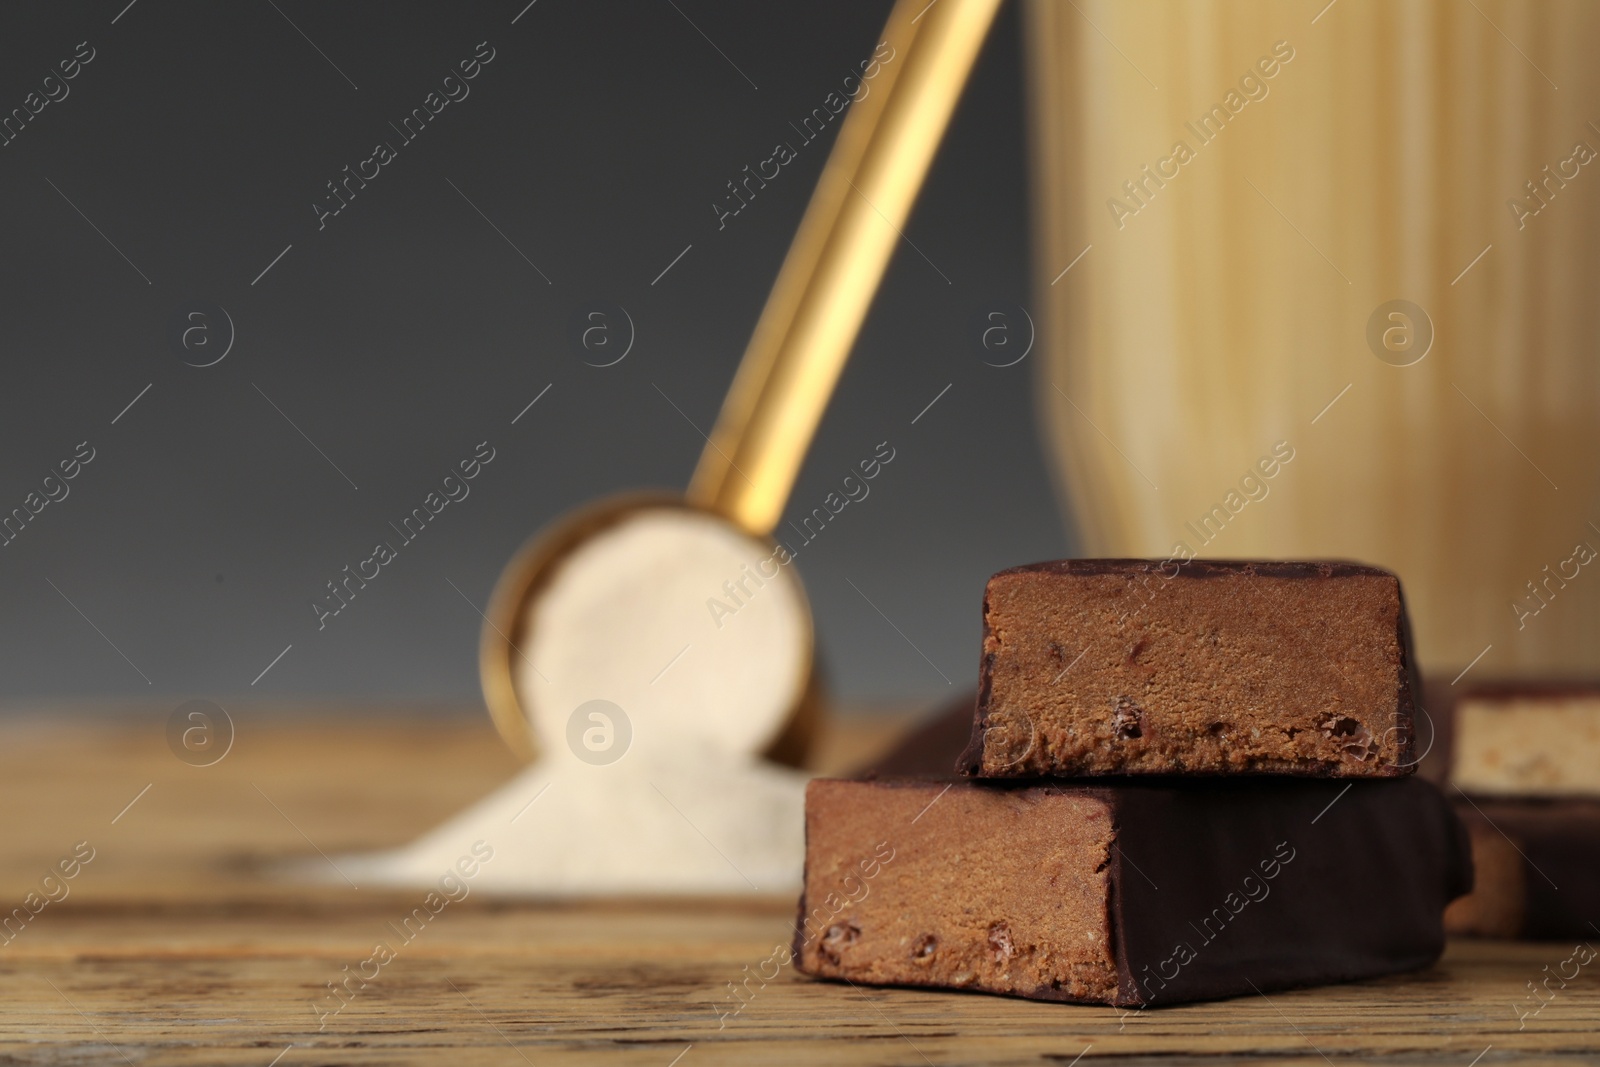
x=688 y=807
x=627 y=618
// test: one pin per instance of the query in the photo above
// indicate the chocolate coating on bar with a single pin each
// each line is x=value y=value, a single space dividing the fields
x=1140 y=893
x=1126 y=666
x=1205 y=568
x=1543 y=861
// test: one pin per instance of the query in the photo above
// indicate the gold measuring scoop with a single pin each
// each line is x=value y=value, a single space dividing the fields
x=594 y=604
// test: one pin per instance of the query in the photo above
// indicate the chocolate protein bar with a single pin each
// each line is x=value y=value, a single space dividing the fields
x=1538 y=864
x=1134 y=894
x=1093 y=667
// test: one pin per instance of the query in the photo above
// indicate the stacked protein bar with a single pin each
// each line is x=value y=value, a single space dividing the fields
x=1523 y=765
x=1184 y=781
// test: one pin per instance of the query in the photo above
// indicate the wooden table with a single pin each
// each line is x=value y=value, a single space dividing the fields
x=174 y=947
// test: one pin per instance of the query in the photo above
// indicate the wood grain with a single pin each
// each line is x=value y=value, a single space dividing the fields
x=173 y=947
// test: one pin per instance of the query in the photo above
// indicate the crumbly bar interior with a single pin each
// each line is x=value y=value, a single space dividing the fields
x=1129 y=673
x=992 y=889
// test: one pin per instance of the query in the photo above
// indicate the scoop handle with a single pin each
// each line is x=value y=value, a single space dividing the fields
x=838 y=257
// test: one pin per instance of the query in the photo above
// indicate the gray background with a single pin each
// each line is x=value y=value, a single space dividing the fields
x=408 y=330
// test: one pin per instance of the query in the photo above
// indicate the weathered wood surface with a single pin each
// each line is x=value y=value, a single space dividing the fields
x=173 y=947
